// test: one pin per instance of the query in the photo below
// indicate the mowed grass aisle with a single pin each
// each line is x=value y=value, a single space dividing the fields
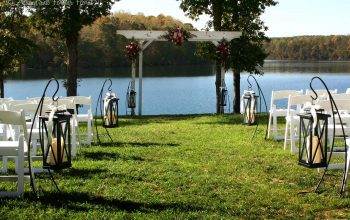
x=182 y=167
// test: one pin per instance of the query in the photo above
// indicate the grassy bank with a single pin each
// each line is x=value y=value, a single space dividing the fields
x=183 y=167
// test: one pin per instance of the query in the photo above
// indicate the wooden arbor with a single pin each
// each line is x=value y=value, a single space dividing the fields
x=145 y=38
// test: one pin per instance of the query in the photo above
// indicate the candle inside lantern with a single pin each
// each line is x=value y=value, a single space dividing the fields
x=110 y=118
x=106 y=119
x=250 y=116
x=316 y=146
x=114 y=120
x=54 y=152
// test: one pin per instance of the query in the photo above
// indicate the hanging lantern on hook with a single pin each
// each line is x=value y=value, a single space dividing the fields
x=313 y=138
x=223 y=94
x=251 y=102
x=55 y=139
x=110 y=107
x=131 y=97
x=315 y=150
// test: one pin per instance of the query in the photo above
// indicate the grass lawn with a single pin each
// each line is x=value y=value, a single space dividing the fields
x=183 y=167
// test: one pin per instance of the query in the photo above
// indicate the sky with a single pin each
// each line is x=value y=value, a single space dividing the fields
x=288 y=18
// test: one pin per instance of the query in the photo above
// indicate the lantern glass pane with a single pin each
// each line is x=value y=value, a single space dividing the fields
x=57 y=151
x=313 y=143
x=110 y=119
x=250 y=104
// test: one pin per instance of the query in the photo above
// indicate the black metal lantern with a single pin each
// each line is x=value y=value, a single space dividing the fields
x=250 y=107
x=250 y=103
x=223 y=94
x=313 y=139
x=110 y=117
x=55 y=139
x=132 y=99
x=108 y=109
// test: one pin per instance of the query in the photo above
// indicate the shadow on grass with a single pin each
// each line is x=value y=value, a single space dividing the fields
x=108 y=156
x=83 y=172
x=82 y=202
x=152 y=119
x=136 y=144
x=236 y=119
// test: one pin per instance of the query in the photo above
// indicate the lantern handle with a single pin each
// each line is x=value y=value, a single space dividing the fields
x=110 y=85
x=333 y=107
x=249 y=84
x=313 y=90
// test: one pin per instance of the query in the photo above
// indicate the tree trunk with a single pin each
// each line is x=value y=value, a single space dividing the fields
x=217 y=86
x=2 y=91
x=72 y=45
x=217 y=20
x=237 y=89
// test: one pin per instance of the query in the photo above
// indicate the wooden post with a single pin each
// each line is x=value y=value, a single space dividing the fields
x=133 y=76
x=222 y=108
x=140 y=78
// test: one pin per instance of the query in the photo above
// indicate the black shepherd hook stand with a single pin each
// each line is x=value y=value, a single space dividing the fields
x=334 y=111
x=99 y=103
x=39 y=110
x=261 y=95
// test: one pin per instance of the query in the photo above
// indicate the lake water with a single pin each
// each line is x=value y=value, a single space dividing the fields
x=186 y=89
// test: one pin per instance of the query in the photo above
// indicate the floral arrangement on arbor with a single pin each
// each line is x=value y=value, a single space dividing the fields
x=177 y=35
x=223 y=50
x=132 y=50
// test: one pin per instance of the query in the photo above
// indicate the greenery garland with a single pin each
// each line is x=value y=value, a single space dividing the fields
x=132 y=50
x=177 y=35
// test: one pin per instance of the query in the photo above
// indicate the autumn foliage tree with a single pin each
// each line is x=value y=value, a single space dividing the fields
x=65 y=21
x=248 y=53
x=14 y=45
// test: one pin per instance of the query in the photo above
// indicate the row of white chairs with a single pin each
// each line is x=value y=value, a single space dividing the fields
x=283 y=96
x=70 y=103
x=15 y=123
x=297 y=101
x=16 y=147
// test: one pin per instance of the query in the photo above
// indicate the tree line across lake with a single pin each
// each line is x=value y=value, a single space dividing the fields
x=100 y=47
x=304 y=48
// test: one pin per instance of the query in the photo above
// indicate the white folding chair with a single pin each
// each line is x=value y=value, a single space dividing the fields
x=37 y=99
x=275 y=112
x=341 y=96
x=15 y=102
x=343 y=106
x=3 y=100
x=16 y=148
x=347 y=91
x=322 y=93
x=29 y=110
x=344 y=110
x=296 y=104
x=2 y=127
x=85 y=117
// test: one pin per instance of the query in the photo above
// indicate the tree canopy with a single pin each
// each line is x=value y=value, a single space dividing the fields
x=63 y=20
x=14 y=45
x=235 y=15
x=100 y=47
